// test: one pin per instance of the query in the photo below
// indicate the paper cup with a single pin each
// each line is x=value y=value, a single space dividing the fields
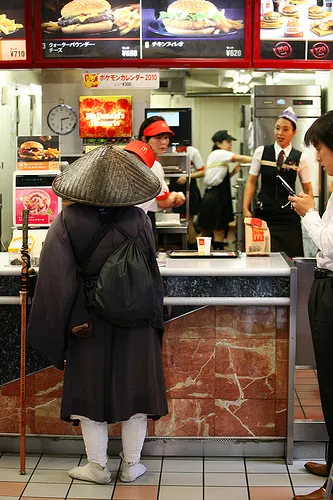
x=204 y=245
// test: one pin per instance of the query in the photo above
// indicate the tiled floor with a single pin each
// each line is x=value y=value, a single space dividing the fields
x=166 y=479
x=307 y=400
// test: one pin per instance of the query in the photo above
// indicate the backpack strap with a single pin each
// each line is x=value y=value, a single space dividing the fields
x=102 y=231
x=123 y=232
x=98 y=237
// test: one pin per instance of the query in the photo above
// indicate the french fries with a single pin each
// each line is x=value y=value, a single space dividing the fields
x=8 y=26
x=51 y=26
x=127 y=18
x=224 y=24
x=51 y=154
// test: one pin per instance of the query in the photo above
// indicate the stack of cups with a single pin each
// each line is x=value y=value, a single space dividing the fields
x=204 y=245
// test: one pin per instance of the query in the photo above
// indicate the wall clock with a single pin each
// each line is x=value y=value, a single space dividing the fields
x=62 y=119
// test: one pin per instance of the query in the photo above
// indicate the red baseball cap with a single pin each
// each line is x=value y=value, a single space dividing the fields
x=156 y=128
x=143 y=150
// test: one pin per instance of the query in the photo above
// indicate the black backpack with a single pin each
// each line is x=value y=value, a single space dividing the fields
x=123 y=293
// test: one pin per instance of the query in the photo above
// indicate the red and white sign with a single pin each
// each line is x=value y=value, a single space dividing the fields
x=119 y=79
x=105 y=116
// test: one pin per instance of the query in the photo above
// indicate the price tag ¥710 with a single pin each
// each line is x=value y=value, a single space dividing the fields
x=13 y=50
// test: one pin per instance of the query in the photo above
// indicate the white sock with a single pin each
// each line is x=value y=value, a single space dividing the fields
x=133 y=433
x=95 y=436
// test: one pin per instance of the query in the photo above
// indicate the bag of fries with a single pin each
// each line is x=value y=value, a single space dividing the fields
x=257 y=237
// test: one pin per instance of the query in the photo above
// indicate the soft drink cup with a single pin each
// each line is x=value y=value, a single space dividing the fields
x=204 y=245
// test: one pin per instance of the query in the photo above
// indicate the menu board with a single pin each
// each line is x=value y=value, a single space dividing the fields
x=15 y=26
x=295 y=30
x=90 y=29
x=38 y=152
x=215 y=30
x=148 y=30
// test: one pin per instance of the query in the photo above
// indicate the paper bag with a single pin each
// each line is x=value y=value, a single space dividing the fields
x=257 y=237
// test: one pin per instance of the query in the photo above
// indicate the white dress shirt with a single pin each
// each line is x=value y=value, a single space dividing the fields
x=303 y=172
x=197 y=163
x=217 y=167
x=321 y=232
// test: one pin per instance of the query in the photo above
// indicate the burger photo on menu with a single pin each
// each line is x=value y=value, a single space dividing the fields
x=316 y=12
x=271 y=20
x=290 y=11
x=80 y=18
x=195 y=18
x=33 y=149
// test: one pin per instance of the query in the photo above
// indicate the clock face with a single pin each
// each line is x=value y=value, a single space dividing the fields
x=62 y=119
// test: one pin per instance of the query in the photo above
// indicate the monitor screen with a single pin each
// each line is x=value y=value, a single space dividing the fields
x=178 y=119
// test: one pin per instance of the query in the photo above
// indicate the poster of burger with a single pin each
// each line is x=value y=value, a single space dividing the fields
x=90 y=29
x=38 y=152
x=193 y=28
x=296 y=29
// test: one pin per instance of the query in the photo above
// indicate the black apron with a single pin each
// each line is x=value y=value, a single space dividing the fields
x=216 y=207
x=283 y=222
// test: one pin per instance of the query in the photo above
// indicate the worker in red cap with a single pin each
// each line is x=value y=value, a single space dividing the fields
x=142 y=151
x=145 y=153
x=155 y=134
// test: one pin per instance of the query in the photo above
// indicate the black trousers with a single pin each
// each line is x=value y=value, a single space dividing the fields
x=320 y=308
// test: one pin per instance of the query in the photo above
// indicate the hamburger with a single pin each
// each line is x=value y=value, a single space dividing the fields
x=290 y=10
x=190 y=17
x=31 y=150
x=86 y=16
x=271 y=20
x=271 y=17
x=316 y=12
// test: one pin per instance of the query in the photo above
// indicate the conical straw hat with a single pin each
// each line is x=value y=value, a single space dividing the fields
x=108 y=176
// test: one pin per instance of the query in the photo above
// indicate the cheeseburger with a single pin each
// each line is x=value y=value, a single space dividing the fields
x=271 y=17
x=271 y=20
x=31 y=150
x=290 y=10
x=190 y=17
x=86 y=16
x=316 y=12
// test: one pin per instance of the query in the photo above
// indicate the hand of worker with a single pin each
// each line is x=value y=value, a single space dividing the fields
x=181 y=180
x=301 y=203
x=236 y=169
x=179 y=199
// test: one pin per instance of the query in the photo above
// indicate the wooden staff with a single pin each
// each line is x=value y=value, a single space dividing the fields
x=273 y=164
x=23 y=300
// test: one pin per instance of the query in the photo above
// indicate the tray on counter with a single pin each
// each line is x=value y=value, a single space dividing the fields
x=214 y=254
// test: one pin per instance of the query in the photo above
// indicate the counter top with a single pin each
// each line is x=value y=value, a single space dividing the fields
x=273 y=265
x=5 y=268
